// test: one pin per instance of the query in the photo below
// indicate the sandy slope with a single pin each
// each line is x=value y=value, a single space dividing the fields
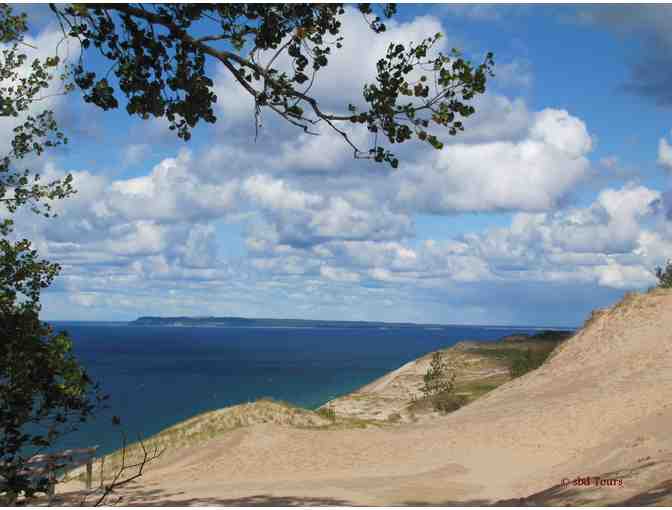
x=476 y=373
x=601 y=404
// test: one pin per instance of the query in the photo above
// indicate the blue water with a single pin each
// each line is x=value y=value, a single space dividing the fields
x=157 y=376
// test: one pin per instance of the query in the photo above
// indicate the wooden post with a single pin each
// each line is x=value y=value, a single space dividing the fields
x=89 y=473
x=52 y=483
x=102 y=463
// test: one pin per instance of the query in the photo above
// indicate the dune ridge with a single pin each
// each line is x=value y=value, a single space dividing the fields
x=599 y=406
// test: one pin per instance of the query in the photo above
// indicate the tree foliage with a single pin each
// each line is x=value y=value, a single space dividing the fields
x=664 y=275
x=439 y=384
x=159 y=55
x=22 y=85
x=44 y=392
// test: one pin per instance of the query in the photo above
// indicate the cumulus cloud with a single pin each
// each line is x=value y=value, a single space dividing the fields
x=605 y=244
x=608 y=244
x=532 y=174
x=497 y=118
x=174 y=190
x=338 y=274
x=303 y=218
x=610 y=225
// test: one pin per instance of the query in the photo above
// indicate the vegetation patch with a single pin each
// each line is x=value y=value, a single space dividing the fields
x=524 y=357
x=476 y=389
x=527 y=361
x=327 y=412
x=506 y=354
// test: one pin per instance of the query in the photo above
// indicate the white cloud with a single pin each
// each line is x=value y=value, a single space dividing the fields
x=514 y=74
x=497 y=118
x=173 y=191
x=200 y=249
x=665 y=154
x=624 y=277
x=562 y=131
x=137 y=238
x=533 y=174
x=338 y=274
x=276 y=194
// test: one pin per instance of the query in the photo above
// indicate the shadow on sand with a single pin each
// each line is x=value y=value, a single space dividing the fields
x=160 y=498
x=137 y=496
x=558 y=495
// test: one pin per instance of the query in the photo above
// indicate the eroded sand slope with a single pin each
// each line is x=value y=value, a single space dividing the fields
x=480 y=366
x=602 y=404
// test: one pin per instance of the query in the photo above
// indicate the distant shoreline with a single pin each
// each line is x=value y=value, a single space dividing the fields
x=242 y=322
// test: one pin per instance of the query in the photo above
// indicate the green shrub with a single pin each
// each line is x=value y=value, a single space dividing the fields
x=447 y=402
x=526 y=362
x=439 y=385
x=440 y=377
x=327 y=412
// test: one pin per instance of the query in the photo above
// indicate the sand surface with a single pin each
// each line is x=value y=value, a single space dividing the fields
x=600 y=406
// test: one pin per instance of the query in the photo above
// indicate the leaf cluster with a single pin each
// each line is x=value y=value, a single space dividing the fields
x=159 y=55
x=44 y=393
x=22 y=87
x=414 y=92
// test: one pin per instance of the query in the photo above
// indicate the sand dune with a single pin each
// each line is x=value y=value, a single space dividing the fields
x=600 y=406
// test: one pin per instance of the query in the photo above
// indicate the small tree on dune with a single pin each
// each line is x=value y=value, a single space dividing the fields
x=439 y=384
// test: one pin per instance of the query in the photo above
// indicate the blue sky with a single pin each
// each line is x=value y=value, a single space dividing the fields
x=550 y=204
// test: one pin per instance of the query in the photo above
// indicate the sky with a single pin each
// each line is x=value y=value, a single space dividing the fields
x=554 y=201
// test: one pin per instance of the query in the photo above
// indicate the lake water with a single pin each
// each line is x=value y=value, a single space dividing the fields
x=157 y=376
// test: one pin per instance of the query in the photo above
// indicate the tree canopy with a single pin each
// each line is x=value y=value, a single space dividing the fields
x=158 y=55
x=44 y=392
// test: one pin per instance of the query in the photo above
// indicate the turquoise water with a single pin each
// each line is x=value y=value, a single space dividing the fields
x=157 y=376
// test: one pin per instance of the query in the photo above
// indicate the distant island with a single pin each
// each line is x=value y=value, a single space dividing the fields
x=232 y=322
